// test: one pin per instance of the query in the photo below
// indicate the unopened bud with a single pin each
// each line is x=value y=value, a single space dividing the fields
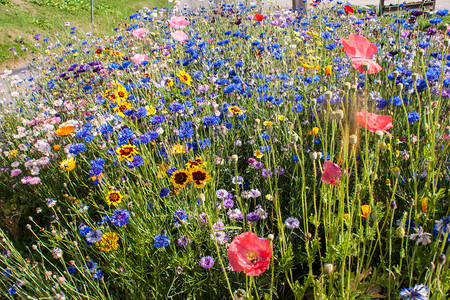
x=446 y=43
x=313 y=101
x=353 y=139
x=313 y=155
x=328 y=95
x=201 y=197
x=442 y=259
x=400 y=86
x=347 y=86
x=328 y=269
x=393 y=204
x=341 y=93
x=447 y=129
x=339 y=114
x=400 y=231
x=379 y=134
x=421 y=51
x=354 y=87
x=366 y=66
x=395 y=74
x=378 y=82
x=234 y=158
x=415 y=76
x=295 y=137
x=396 y=172
x=431 y=266
x=270 y=237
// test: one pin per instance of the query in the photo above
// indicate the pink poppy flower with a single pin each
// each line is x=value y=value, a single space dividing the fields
x=140 y=32
x=375 y=122
x=139 y=58
x=179 y=36
x=250 y=254
x=360 y=50
x=178 y=22
x=331 y=173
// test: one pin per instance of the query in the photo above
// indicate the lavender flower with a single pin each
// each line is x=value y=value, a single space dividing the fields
x=207 y=262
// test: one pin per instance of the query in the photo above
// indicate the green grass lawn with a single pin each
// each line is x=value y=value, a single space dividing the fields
x=21 y=20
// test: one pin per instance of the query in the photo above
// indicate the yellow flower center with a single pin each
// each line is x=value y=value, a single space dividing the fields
x=252 y=255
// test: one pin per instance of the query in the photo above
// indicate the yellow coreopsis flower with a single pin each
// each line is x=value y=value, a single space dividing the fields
x=184 y=77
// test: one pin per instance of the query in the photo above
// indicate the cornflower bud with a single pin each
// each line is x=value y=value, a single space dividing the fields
x=328 y=269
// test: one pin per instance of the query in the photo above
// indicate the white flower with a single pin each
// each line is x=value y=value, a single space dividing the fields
x=420 y=236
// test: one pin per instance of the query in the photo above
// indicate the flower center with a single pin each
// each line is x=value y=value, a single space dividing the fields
x=252 y=256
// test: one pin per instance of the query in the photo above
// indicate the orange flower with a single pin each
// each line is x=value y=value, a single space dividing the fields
x=65 y=130
x=365 y=211
x=424 y=204
x=328 y=70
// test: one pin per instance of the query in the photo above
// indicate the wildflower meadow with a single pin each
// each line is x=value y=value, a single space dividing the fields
x=231 y=151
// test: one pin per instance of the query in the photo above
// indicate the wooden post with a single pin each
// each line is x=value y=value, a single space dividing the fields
x=381 y=8
x=297 y=4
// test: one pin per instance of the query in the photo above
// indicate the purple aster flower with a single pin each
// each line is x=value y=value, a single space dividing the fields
x=252 y=217
x=266 y=173
x=257 y=165
x=292 y=223
x=280 y=171
x=235 y=214
x=98 y=274
x=90 y=266
x=207 y=262
x=228 y=203
x=183 y=241
x=222 y=194
x=221 y=237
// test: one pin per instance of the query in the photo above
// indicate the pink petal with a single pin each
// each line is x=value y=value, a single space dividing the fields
x=373 y=66
x=179 y=36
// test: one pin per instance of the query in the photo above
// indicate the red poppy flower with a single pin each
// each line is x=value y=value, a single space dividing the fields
x=348 y=10
x=360 y=50
x=331 y=173
x=374 y=122
x=250 y=254
x=258 y=17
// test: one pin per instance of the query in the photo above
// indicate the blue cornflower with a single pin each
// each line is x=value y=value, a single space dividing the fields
x=442 y=12
x=157 y=119
x=185 y=131
x=95 y=170
x=442 y=227
x=211 y=120
x=177 y=107
x=141 y=112
x=90 y=266
x=120 y=217
x=161 y=241
x=85 y=230
x=381 y=103
x=435 y=20
x=97 y=162
x=98 y=274
x=418 y=292
x=77 y=148
x=106 y=129
x=412 y=117
x=12 y=290
x=297 y=108
x=180 y=215
x=94 y=236
x=164 y=192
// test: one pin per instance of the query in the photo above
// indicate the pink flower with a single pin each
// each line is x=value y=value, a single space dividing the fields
x=374 y=122
x=178 y=22
x=331 y=173
x=15 y=172
x=250 y=254
x=360 y=50
x=34 y=180
x=179 y=36
x=140 y=32
x=139 y=58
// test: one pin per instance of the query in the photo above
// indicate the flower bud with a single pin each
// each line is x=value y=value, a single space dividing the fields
x=431 y=265
x=393 y=204
x=201 y=197
x=295 y=137
x=415 y=76
x=395 y=74
x=270 y=237
x=328 y=95
x=234 y=158
x=347 y=86
x=341 y=94
x=421 y=51
x=447 y=129
x=354 y=87
x=396 y=172
x=400 y=231
x=378 y=82
x=446 y=42
x=328 y=269
x=442 y=259
x=313 y=101
x=379 y=134
x=400 y=86
x=353 y=139
x=313 y=155
x=366 y=67
x=339 y=114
